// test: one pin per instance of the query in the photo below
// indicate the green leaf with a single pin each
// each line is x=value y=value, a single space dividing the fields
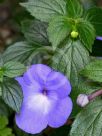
x=44 y=10
x=88 y=3
x=94 y=15
x=13 y=69
x=1 y=74
x=18 y=52
x=0 y=91
x=26 y=51
x=89 y=120
x=86 y=33
x=93 y=71
x=23 y=52
x=70 y=60
x=3 y=122
x=4 y=109
x=35 y=31
x=74 y=8
x=12 y=94
x=4 y=130
x=59 y=28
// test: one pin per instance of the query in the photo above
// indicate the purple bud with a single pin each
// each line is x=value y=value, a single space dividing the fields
x=82 y=100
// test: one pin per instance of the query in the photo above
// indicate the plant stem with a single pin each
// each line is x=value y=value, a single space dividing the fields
x=94 y=95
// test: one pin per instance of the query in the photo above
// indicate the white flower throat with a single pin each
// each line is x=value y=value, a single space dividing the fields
x=39 y=102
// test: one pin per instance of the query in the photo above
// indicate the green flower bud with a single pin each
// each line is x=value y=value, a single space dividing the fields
x=74 y=34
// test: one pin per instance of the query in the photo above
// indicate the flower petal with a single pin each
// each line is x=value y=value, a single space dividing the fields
x=61 y=113
x=31 y=121
x=38 y=72
x=58 y=83
x=28 y=90
x=99 y=38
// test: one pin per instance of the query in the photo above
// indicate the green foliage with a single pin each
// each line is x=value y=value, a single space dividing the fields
x=4 y=130
x=4 y=109
x=94 y=15
x=24 y=52
x=93 y=71
x=9 y=89
x=20 y=51
x=74 y=9
x=0 y=91
x=3 y=122
x=88 y=121
x=12 y=94
x=63 y=23
x=37 y=43
x=45 y=10
x=88 y=3
x=62 y=27
x=71 y=59
x=13 y=69
x=71 y=29
x=35 y=31
x=86 y=33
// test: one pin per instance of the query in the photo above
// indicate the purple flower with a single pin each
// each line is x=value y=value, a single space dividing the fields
x=46 y=100
x=99 y=38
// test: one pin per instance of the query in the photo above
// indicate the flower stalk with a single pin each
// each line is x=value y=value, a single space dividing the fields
x=94 y=95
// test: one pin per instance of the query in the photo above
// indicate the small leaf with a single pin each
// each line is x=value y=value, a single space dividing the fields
x=3 y=122
x=74 y=8
x=59 y=28
x=44 y=10
x=12 y=94
x=93 y=71
x=6 y=132
x=13 y=69
x=35 y=31
x=86 y=33
x=89 y=120
x=70 y=60
x=94 y=15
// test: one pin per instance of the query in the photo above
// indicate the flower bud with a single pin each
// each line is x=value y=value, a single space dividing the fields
x=74 y=34
x=82 y=100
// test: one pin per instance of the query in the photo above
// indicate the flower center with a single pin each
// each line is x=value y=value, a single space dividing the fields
x=44 y=91
x=39 y=103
